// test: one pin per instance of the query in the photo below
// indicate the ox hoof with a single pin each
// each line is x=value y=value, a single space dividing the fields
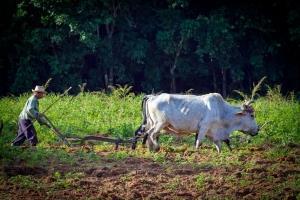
x=133 y=147
x=154 y=149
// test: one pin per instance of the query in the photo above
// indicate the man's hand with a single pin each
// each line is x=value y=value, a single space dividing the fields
x=42 y=119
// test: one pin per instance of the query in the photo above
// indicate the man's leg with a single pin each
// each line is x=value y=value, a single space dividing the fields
x=30 y=134
x=20 y=135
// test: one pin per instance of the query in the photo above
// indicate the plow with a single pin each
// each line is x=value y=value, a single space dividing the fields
x=76 y=140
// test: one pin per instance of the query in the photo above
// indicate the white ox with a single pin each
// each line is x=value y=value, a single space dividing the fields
x=206 y=115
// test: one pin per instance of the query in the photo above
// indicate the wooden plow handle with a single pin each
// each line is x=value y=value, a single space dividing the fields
x=68 y=140
x=57 y=131
x=99 y=137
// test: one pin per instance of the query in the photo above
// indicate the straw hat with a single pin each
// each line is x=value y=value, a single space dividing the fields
x=39 y=89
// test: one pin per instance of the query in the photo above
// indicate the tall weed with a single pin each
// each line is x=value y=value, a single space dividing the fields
x=282 y=114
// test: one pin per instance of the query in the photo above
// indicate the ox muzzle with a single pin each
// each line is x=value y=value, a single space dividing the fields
x=252 y=132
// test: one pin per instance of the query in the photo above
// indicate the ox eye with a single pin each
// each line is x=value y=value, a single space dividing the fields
x=252 y=115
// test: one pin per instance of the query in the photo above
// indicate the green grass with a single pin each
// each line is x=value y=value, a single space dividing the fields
x=78 y=115
x=200 y=181
x=119 y=155
x=25 y=181
x=91 y=113
x=119 y=114
x=174 y=184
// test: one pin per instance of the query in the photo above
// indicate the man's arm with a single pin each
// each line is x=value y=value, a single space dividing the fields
x=32 y=109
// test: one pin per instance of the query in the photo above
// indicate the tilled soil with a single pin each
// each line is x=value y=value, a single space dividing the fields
x=256 y=177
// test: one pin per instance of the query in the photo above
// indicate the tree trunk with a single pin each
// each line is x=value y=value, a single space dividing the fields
x=224 y=82
x=109 y=75
x=214 y=76
x=215 y=80
x=106 y=79
x=173 y=81
x=172 y=69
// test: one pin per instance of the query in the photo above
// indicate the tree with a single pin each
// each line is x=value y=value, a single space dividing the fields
x=173 y=38
x=216 y=42
x=212 y=46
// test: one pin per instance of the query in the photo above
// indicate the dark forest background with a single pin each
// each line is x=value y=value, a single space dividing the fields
x=158 y=45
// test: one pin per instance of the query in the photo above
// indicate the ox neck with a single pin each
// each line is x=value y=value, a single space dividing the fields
x=230 y=110
x=232 y=119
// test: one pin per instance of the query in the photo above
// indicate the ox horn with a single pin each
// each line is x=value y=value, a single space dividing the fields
x=247 y=106
x=248 y=102
x=256 y=88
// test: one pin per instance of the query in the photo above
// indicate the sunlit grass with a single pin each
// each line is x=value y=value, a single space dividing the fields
x=119 y=114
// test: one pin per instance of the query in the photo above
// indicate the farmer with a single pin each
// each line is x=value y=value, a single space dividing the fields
x=29 y=113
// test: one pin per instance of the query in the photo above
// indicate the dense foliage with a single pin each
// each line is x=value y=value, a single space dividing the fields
x=170 y=45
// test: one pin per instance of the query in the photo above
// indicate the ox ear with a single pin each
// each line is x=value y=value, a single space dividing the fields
x=246 y=107
x=248 y=102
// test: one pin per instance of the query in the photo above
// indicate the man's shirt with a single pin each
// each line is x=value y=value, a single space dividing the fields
x=31 y=109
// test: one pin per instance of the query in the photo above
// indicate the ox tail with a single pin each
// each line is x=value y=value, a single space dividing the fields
x=144 y=109
x=142 y=128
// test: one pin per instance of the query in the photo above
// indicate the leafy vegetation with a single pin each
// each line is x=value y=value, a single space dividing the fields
x=118 y=114
x=170 y=45
x=269 y=157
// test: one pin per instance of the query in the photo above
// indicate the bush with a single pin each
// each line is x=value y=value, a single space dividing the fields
x=282 y=114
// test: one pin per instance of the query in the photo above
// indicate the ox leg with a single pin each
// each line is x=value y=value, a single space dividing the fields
x=153 y=137
x=150 y=144
x=148 y=139
x=145 y=140
x=196 y=137
x=227 y=142
x=200 y=136
x=154 y=146
x=218 y=145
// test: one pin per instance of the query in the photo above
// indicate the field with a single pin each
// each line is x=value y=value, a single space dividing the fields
x=266 y=166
